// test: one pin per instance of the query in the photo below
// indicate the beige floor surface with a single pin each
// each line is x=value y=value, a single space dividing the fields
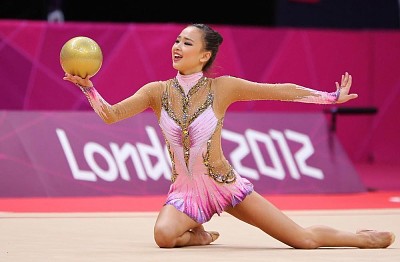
x=98 y=237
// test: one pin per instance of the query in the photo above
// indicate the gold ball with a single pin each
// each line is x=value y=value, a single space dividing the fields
x=81 y=56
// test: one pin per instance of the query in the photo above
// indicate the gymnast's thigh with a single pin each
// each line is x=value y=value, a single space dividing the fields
x=259 y=212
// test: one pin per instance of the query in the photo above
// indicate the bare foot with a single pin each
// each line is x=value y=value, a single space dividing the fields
x=214 y=235
x=376 y=239
x=204 y=237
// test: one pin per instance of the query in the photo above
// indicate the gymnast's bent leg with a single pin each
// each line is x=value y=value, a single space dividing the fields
x=173 y=228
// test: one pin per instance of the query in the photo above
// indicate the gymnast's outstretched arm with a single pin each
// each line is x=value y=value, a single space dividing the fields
x=142 y=99
x=236 y=89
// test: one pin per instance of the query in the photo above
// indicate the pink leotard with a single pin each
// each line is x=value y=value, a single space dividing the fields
x=197 y=190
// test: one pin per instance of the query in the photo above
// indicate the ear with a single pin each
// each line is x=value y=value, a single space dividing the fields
x=205 y=57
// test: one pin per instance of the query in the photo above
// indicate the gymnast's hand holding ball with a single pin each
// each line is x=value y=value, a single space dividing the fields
x=81 y=58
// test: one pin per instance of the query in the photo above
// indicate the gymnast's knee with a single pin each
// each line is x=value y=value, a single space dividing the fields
x=164 y=237
x=306 y=241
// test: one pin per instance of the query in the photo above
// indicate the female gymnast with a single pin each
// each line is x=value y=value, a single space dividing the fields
x=190 y=109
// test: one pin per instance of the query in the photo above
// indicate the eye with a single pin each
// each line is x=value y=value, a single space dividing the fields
x=189 y=43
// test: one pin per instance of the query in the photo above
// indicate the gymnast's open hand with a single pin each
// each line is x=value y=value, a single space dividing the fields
x=344 y=89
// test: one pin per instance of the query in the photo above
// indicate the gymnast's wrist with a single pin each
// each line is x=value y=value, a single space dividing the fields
x=84 y=88
x=337 y=95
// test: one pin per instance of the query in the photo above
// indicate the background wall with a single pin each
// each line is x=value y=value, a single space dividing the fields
x=136 y=53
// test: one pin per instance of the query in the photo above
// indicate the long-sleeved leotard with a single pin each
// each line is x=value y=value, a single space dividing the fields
x=190 y=111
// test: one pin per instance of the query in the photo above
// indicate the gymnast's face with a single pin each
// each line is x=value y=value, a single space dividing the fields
x=188 y=54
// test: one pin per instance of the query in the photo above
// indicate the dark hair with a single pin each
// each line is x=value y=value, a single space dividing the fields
x=212 y=40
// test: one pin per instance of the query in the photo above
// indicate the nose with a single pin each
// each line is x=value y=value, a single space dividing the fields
x=177 y=46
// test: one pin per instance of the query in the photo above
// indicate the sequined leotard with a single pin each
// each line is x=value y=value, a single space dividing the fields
x=197 y=188
x=203 y=181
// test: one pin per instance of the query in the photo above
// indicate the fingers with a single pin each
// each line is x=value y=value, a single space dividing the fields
x=346 y=80
x=68 y=77
x=349 y=81
x=72 y=78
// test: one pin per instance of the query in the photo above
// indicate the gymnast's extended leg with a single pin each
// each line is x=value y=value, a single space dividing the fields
x=259 y=212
